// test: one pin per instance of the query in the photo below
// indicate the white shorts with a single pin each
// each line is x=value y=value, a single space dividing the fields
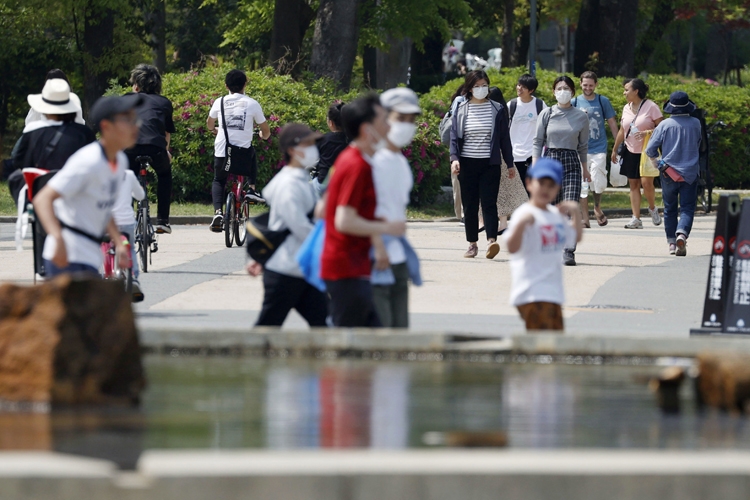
x=598 y=170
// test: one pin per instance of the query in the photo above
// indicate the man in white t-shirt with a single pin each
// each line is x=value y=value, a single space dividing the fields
x=536 y=235
x=393 y=180
x=75 y=207
x=242 y=113
x=523 y=112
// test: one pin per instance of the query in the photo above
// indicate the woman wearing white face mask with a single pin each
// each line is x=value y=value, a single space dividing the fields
x=392 y=177
x=564 y=130
x=292 y=199
x=480 y=141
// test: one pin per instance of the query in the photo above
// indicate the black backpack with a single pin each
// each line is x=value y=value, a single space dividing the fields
x=262 y=242
x=514 y=104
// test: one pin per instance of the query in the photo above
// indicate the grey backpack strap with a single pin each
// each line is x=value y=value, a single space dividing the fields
x=513 y=105
x=539 y=105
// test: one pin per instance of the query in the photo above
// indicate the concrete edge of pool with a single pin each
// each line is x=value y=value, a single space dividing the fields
x=383 y=475
x=361 y=340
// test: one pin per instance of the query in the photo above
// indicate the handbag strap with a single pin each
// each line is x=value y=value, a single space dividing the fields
x=635 y=118
x=50 y=148
x=224 y=126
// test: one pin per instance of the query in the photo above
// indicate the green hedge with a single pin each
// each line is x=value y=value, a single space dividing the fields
x=283 y=100
x=730 y=164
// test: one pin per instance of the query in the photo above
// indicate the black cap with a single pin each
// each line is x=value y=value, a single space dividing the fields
x=107 y=107
x=294 y=133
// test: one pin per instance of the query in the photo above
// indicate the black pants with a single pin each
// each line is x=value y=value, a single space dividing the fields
x=352 y=303
x=479 y=180
x=523 y=167
x=220 y=182
x=163 y=168
x=283 y=293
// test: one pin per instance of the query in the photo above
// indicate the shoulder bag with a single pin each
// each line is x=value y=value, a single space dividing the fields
x=237 y=160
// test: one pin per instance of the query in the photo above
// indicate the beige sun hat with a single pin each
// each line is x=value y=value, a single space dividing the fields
x=55 y=99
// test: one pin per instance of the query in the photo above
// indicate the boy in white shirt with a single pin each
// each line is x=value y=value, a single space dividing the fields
x=523 y=111
x=124 y=217
x=393 y=180
x=536 y=235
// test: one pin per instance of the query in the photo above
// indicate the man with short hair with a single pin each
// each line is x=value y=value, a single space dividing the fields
x=242 y=114
x=75 y=207
x=523 y=111
x=599 y=111
x=679 y=139
x=350 y=218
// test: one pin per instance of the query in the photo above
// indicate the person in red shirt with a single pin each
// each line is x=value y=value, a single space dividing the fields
x=351 y=228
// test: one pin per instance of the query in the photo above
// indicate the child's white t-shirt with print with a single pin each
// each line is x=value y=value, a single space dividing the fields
x=536 y=268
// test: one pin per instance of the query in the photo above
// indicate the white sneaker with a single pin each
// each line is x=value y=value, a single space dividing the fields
x=681 y=245
x=655 y=217
x=635 y=223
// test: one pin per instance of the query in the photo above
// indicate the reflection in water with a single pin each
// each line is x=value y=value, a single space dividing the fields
x=389 y=412
x=292 y=408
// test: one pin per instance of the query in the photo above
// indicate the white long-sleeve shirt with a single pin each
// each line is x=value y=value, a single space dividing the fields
x=122 y=211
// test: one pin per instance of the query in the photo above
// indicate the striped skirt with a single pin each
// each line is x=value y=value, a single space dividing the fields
x=572 y=174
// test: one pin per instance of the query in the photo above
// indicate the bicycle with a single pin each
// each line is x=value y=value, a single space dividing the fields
x=236 y=212
x=145 y=235
x=111 y=269
x=705 y=181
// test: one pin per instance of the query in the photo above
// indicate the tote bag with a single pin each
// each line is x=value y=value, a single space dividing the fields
x=310 y=253
x=647 y=169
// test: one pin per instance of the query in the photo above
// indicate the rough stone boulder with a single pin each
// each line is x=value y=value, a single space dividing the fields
x=69 y=341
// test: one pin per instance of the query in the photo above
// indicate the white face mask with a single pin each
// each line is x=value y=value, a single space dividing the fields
x=480 y=92
x=381 y=142
x=401 y=133
x=563 y=96
x=310 y=156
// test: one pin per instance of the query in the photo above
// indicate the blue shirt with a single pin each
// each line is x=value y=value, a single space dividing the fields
x=599 y=110
x=679 y=138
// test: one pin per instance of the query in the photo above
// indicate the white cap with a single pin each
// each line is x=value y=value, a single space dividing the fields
x=401 y=100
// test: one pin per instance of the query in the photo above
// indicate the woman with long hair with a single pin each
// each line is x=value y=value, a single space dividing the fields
x=640 y=116
x=564 y=130
x=480 y=140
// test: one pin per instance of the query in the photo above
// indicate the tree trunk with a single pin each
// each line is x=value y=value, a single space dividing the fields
x=587 y=37
x=291 y=19
x=98 y=41
x=387 y=69
x=335 y=41
x=156 y=22
x=690 y=59
x=509 y=41
x=605 y=38
x=522 y=45
x=663 y=17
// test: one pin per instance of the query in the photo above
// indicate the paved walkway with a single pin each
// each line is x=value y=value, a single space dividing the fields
x=196 y=281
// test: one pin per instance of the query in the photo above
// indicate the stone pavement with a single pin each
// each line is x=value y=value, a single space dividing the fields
x=625 y=283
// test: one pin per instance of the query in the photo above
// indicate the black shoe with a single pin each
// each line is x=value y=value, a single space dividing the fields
x=137 y=295
x=162 y=227
x=569 y=258
x=480 y=229
x=217 y=224
x=253 y=195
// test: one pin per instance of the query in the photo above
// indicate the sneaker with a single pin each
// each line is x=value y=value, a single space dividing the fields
x=635 y=223
x=253 y=195
x=681 y=245
x=472 y=251
x=162 y=227
x=492 y=250
x=217 y=223
x=569 y=258
x=463 y=221
x=655 y=217
x=137 y=294
x=672 y=248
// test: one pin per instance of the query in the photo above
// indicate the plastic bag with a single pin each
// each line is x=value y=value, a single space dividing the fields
x=647 y=169
x=310 y=253
x=615 y=177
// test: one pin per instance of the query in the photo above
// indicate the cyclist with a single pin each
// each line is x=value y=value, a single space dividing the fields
x=157 y=127
x=241 y=112
x=85 y=190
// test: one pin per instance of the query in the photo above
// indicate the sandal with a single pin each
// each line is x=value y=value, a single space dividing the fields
x=601 y=219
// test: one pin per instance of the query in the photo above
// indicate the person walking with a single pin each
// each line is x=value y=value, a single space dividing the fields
x=480 y=140
x=679 y=139
x=242 y=114
x=75 y=207
x=330 y=147
x=157 y=127
x=394 y=180
x=350 y=218
x=537 y=232
x=639 y=117
x=524 y=109
x=599 y=111
x=564 y=130
x=291 y=198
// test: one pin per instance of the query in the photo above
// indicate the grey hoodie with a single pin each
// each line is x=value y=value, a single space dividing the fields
x=291 y=198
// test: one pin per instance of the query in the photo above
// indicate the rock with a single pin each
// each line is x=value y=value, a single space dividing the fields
x=723 y=381
x=69 y=341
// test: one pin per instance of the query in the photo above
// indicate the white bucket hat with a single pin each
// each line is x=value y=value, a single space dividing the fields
x=55 y=99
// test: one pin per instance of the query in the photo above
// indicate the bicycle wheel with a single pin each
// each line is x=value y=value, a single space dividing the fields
x=240 y=230
x=145 y=239
x=230 y=213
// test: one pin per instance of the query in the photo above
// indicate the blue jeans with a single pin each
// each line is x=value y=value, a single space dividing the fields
x=51 y=270
x=673 y=192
